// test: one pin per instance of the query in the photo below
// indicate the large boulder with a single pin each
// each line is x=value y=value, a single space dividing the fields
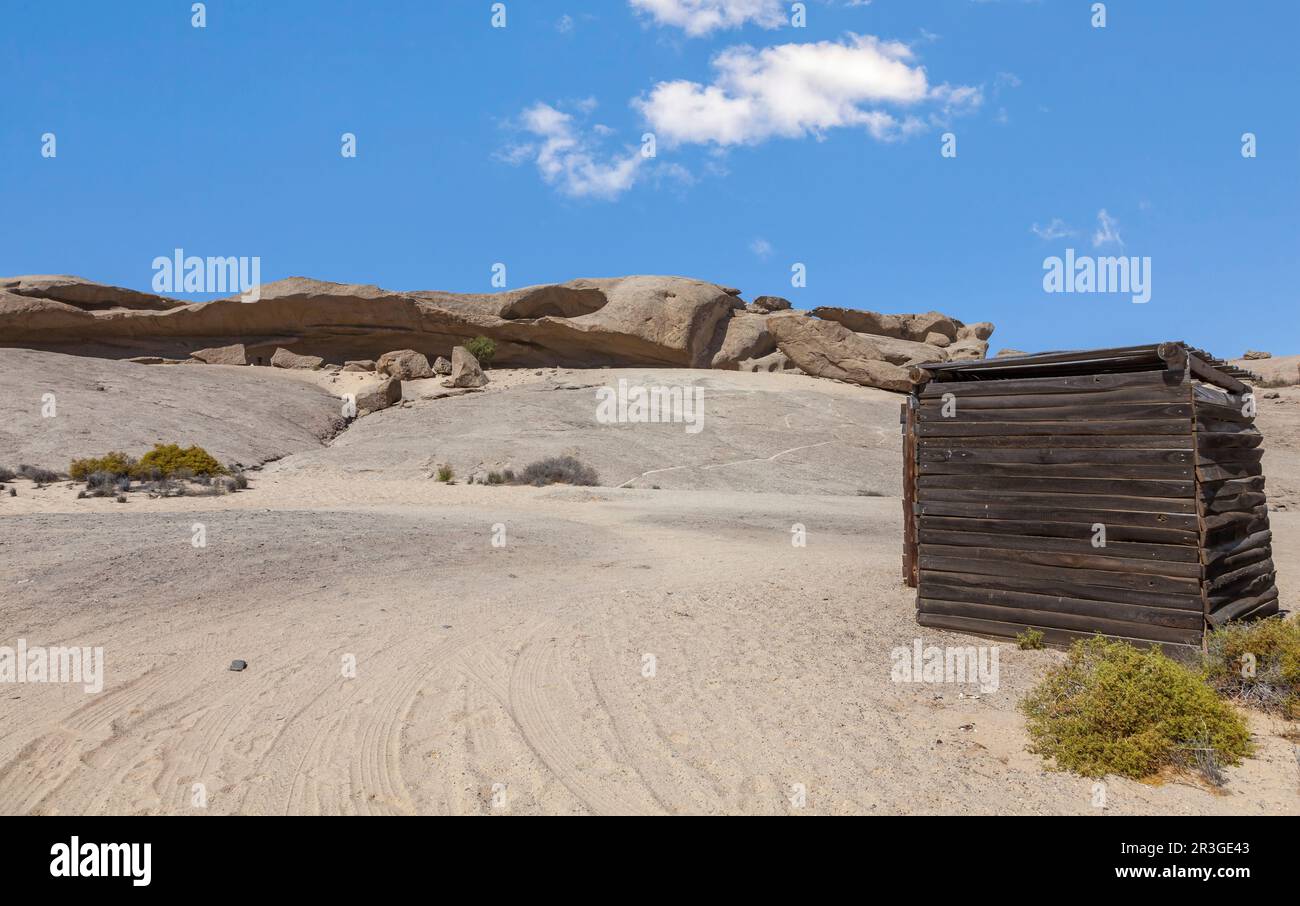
x=465 y=370
x=381 y=396
x=768 y=304
x=283 y=358
x=235 y=354
x=968 y=348
x=906 y=352
x=404 y=364
x=360 y=365
x=85 y=294
x=745 y=336
x=981 y=331
x=828 y=349
x=772 y=363
x=441 y=366
x=917 y=328
x=1256 y=354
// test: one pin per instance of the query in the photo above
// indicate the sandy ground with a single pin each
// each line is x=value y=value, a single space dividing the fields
x=517 y=679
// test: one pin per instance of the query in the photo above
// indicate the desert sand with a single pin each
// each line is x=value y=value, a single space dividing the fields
x=513 y=679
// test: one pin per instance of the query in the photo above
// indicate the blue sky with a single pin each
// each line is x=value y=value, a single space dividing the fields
x=773 y=145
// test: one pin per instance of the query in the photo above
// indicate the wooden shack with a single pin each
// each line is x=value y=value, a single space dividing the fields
x=1114 y=491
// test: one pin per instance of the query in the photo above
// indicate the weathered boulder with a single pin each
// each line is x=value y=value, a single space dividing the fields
x=404 y=364
x=980 y=331
x=767 y=304
x=441 y=366
x=934 y=338
x=906 y=352
x=745 y=336
x=85 y=294
x=1255 y=354
x=902 y=327
x=774 y=362
x=283 y=358
x=381 y=396
x=828 y=349
x=360 y=365
x=234 y=354
x=465 y=370
x=968 y=348
x=1003 y=353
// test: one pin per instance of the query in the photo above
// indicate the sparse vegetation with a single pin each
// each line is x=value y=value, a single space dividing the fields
x=1258 y=664
x=1030 y=640
x=7 y=474
x=37 y=474
x=445 y=474
x=112 y=463
x=495 y=478
x=1112 y=708
x=558 y=470
x=483 y=349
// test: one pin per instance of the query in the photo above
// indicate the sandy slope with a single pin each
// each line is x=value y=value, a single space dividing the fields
x=520 y=668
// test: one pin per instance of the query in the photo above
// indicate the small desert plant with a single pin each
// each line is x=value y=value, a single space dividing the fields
x=164 y=487
x=482 y=349
x=235 y=482
x=559 y=470
x=1112 y=708
x=7 y=474
x=1258 y=664
x=105 y=484
x=37 y=474
x=13 y=492
x=112 y=463
x=1030 y=640
x=445 y=473
x=495 y=478
x=172 y=462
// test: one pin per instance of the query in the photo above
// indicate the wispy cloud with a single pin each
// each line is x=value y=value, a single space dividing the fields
x=570 y=158
x=1107 y=232
x=761 y=247
x=1057 y=229
x=701 y=17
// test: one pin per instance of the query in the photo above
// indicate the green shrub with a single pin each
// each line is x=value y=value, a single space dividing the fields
x=482 y=349
x=445 y=473
x=7 y=474
x=170 y=461
x=1030 y=640
x=1258 y=664
x=1112 y=708
x=112 y=463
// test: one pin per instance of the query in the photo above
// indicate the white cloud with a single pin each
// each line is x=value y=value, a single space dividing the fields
x=700 y=17
x=1107 y=232
x=570 y=160
x=564 y=24
x=1057 y=229
x=793 y=90
x=761 y=247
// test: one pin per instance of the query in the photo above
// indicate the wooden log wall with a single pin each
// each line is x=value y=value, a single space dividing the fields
x=1014 y=475
x=1236 y=553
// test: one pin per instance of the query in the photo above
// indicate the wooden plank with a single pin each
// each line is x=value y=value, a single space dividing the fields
x=1083 y=383
x=1050 y=574
x=1242 y=607
x=1062 y=442
x=1078 y=529
x=1110 y=429
x=983 y=400
x=1173 y=521
x=1074 y=622
x=1228 y=579
x=1212 y=412
x=1110 y=411
x=1053 y=636
x=1212 y=489
x=1080 y=542
x=1208 y=425
x=1067 y=586
x=961 y=467
x=1211 y=375
x=1061 y=485
x=1229 y=471
x=1046 y=454
x=1229 y=503
x=1254 y=541
x=1071 y=559
x=1210 y=440
x=909 y=493
x=1111 y=610
x=1238 y=560
x=1117 y=502
x=1246 y=588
